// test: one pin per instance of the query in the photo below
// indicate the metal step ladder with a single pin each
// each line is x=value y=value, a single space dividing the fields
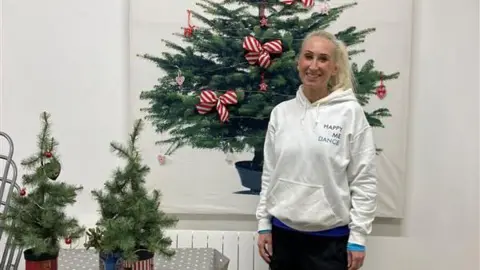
x=12 y=254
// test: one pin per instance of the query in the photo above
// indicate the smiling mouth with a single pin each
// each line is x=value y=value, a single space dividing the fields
x=313 y=76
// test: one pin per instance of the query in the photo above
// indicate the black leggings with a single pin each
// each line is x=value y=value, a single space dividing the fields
x=298 y=251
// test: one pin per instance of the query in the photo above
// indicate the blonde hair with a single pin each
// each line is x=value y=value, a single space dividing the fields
x=344 y=78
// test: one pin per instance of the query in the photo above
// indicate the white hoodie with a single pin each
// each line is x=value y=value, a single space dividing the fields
x=319 y=170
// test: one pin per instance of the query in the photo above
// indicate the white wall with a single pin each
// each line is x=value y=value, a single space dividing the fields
x=71 y=59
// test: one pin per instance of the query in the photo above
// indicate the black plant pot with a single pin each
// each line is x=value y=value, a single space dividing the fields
x=250 y=176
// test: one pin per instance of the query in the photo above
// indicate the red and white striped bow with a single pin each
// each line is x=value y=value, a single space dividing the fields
x=261 y=53
x=208 y=100
x=306 y=3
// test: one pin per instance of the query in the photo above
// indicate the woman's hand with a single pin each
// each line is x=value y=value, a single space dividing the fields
x=355 y=259
x=265 y=246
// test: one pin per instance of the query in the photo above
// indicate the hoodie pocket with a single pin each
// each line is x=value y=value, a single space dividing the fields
x=303 y=204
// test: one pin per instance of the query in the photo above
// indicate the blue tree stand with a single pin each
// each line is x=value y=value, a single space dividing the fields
x=112 y=261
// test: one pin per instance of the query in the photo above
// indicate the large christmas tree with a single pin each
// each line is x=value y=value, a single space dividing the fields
x=131 y=220
x=36 y=217
x=219 y=89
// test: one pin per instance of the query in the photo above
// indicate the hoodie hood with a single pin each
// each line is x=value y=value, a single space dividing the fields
x=335 y=97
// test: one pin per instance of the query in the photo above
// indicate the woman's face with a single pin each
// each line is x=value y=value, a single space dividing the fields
x=316 y=63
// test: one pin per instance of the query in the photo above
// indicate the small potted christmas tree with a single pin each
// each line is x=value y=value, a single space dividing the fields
x=36 y=217
x=130 y=230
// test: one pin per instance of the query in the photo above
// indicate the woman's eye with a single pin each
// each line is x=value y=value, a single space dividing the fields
x=323 y=59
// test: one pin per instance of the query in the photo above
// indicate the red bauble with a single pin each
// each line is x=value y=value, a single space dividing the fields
x=381 y=89
x=48 y=154
x=68 y=241
x=23 y=192
x=381 y=92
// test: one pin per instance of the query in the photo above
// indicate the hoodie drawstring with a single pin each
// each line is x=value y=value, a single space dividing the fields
x=302 y=119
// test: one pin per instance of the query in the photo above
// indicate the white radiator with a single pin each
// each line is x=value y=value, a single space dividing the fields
x=239 y=247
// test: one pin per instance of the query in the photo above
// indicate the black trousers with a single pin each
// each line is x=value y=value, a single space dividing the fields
x=299 y=251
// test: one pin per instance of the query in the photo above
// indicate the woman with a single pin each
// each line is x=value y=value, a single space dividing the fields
x=319 y=191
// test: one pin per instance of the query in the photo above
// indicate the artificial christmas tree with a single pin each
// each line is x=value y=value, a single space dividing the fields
x=36 y=217
x=131 y=228
x=219 y=90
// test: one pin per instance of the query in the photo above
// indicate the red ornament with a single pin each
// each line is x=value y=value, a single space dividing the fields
x=263 y=86
x=264 y=22
x=188 y=32
x=306 y=3
x=209 y=100
x=381 y=92
x=23 y=192
x=381 y=89
x=68 y=241
x=48 y=154
x=261 y=14
x=258 y=53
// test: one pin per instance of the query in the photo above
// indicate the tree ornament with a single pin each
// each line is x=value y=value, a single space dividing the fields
x=23 y=192
x=208 y=100
x=162 y=159
x=263 y=86
x=264 y=22
x=180 y=78
x=68 y=241
x=258 y=53
x=261 y=14
x=52 y=169
x=48 y=154
x=381 y=89
x=188 y=31
x=325 y=7
x=306 y=3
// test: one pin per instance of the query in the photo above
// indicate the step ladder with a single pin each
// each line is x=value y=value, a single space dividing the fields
x=11 y=254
